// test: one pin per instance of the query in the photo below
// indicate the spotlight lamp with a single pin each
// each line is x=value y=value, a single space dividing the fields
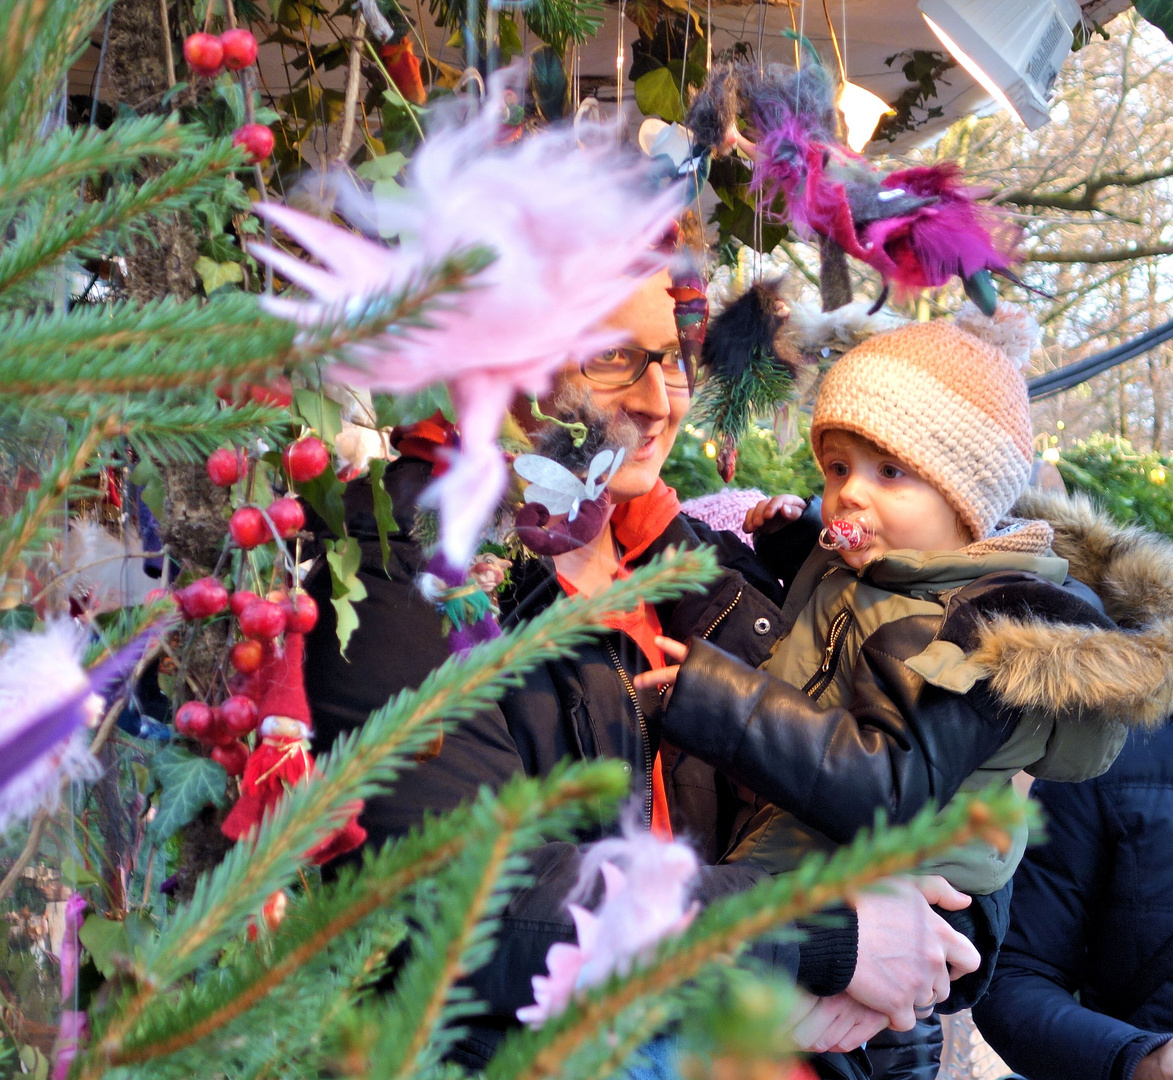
x=1014 y=48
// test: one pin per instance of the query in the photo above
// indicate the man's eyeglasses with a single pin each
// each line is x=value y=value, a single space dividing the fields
x=625 y=367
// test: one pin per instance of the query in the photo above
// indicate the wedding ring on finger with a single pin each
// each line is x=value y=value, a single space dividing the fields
x=923 y=1012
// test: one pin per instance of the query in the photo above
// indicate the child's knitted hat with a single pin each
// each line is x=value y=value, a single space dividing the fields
x=949 y=399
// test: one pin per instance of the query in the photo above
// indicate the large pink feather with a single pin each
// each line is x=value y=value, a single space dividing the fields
x=572 y=229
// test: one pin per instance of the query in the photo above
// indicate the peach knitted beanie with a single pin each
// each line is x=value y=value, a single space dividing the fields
x=950 y=403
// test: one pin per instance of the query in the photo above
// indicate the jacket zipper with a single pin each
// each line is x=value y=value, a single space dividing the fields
x=649 y=762
x=724 y=614
x=835 y=638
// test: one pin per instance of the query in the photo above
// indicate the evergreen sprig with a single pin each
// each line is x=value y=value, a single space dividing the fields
x=726 y=404
x=61 y=225
x=358 y=766
x=567 y=1046
x=126 y=348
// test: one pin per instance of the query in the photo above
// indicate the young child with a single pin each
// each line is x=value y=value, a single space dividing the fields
x=949 y=648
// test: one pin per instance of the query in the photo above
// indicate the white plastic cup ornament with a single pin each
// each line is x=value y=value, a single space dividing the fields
x=847 y=534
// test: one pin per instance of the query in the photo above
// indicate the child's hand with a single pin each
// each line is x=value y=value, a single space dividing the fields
x=665 y=676
x=789 y=506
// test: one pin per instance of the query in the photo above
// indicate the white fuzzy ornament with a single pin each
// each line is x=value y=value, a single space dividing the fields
x=1011 y=329
x=40 y=674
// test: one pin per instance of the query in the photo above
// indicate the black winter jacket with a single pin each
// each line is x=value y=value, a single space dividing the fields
x=1093 y=907
x=578 y=707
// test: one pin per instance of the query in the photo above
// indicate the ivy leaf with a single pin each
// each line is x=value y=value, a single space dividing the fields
x=344 y=557
x=22 y=617
x=324 y=494
x=384 y=519
x=189 y=783
x=508 y=39
x=1159 y=13
x=146 y=474
x=657 y=93
x=215 y=275
x=323 y=414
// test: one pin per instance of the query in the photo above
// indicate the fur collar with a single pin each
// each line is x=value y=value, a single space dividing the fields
x=1123 y=675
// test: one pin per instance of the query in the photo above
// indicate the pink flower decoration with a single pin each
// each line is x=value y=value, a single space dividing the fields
x=645 y=899
x=573 y=230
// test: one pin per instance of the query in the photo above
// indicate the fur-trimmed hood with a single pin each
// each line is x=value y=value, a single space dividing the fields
x=1121 y=673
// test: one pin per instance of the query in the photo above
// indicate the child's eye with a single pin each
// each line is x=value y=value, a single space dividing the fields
x=838 y=468
x=891 y=472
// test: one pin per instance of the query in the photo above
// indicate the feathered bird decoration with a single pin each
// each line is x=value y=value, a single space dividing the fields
x=750 y=367
x=918 y=227
x=572 y=230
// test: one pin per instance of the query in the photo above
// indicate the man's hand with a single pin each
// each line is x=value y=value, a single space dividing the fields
x=837 y=1024
x=907 y=952
x=789 y=506
x=1156 y=1066
x=663 y=676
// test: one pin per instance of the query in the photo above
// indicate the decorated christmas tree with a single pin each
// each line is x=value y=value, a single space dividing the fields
x=133 y=721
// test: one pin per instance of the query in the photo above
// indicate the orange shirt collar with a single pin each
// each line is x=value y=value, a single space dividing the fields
x=639 y=522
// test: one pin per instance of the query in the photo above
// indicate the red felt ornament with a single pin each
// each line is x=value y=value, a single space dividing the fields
x=282 y=758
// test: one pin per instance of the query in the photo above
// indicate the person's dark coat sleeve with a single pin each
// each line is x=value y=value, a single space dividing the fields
x=901 y=744
x=1030 y=1015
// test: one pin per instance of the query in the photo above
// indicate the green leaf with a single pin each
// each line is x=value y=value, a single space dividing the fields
x=508 y=39
x=384 y=519
x=657 y=93
x=215 y=275
x=344 y=558
x=75 y=875
x=146 y=474
x=384 y=167
x=104 y=939
x=189 y=783
x=324 y=494
x=21 y=617
x=1159 y=13
x=321 y=413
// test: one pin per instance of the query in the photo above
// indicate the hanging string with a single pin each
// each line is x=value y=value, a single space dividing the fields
x=708 y=37
x=619 y=62
x=684 y=55
x=759 y=241
x=835 y=43
x=470 y=40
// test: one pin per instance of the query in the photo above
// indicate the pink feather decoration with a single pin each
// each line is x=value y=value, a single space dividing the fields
x=74 y=1026
x=573 y=230
x=954 y=235
x=646 y=887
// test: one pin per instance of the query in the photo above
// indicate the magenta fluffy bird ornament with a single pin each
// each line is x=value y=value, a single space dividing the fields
x=572 y=229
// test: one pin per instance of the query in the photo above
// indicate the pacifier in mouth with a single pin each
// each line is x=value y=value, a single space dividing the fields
x=847 y=534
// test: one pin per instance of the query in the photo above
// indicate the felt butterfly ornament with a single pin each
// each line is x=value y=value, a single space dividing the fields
x=554 y=491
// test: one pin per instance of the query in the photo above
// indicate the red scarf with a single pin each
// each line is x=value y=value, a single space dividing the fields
x=636 y=525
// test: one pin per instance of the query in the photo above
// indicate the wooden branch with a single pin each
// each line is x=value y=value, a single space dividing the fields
x=1109 y=255
x=1088 y=199
x=352 y=80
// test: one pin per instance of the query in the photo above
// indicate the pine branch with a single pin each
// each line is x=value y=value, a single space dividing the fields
x=724 y=929
x=41 y=40
x=69 y=155
x=61 y=226
x=365 y=761
x=24 y=527
x=188 y=431
x=128 y=349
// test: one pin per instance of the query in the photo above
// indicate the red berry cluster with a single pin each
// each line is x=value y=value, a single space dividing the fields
x=207 y=55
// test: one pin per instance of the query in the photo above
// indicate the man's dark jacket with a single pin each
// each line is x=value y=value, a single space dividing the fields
x=578 y=707
x=1092 y=911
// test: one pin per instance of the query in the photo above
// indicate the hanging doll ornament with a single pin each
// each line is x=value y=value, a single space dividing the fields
x=751 y=366
x=282 y=758
x=572 y=231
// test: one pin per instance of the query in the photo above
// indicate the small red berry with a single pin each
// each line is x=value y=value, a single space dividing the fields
x=240 y=49
x=224 y=467
x=262 y=621
x=233 y=756
x=248 y=685
x=241 y=599
x=204 y=54
x=287 y=516
x=156 y=596
x=306 y=459
x=278 y=393
x=194 y=719
x=203 y=598
x=257 y=140
x=248 y=527
x=301 y=612
x=239 y=715
x=246 y=656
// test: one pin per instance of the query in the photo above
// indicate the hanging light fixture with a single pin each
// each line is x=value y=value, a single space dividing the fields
x=861 y=111
x=1013 y=48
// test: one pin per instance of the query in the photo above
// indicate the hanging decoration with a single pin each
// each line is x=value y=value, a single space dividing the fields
x=572 y=231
